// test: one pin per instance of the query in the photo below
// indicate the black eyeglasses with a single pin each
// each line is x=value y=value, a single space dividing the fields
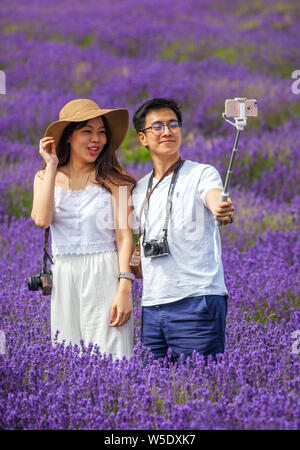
x=158 y=128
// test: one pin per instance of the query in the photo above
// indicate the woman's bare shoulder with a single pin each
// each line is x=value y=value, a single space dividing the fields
x=60 y=176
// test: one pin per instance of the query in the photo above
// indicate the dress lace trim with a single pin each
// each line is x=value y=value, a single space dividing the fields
x=70 y=192
x=90 y=247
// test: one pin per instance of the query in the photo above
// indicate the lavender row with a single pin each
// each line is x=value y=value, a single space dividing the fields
x=253 y=386
x=201 y=28
x=267 y=164
x=198 y=53
x=199 y=87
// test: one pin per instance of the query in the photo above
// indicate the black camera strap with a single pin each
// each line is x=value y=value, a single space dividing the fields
x=176 y=169
x=46 y=254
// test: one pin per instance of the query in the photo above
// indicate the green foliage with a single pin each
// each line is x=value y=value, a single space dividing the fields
x=138 y=155
x=132 y=151
x=56 y=38
x=129 y=138
x=229 y=54
x=248 y=25
x=263 y=313
x=12 y=28
x=251 y=229
x=83 y=88
x=135 y=239
x=138 y=97
x=19 y=202
x=258 y=166
x=296 y=110
x=158 y=403
x=86 y=41
x=285 y=6
x=178 y=51
x=280 y=117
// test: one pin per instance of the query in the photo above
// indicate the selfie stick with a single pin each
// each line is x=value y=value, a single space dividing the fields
x=239 y=123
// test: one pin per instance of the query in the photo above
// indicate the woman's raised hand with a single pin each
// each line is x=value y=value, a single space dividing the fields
x=47 y=151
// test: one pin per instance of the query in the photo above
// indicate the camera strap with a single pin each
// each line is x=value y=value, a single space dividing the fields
x=46 y=254
x=176 y=168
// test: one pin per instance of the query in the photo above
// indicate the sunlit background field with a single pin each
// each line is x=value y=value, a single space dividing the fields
x=121 y=53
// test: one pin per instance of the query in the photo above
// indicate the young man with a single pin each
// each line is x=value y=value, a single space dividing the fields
x=184 y=301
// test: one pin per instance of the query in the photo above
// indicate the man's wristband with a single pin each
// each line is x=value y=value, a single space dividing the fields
x=127 y=275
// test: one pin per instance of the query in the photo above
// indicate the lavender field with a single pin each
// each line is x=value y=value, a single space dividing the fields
x=119 y=54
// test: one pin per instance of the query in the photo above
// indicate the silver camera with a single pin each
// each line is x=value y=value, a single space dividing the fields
x=155 y=248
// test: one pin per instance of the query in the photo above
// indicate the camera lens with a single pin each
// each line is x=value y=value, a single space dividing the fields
x=148 y=249
x=34 y=283
x=151 y=248
x=156 y=248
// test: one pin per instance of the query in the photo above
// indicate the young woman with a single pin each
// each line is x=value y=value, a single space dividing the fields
x=83 y=193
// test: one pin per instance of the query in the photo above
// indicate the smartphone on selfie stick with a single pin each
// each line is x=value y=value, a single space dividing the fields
x=239 y=109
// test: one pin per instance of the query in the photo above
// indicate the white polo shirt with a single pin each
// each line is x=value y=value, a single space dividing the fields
x=194 y=266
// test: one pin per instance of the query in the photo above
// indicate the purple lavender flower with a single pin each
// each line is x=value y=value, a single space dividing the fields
x=199 y=53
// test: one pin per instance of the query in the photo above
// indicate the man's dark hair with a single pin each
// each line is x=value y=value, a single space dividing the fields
x=155 y=103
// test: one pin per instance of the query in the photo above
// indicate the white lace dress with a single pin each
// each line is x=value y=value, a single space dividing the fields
x=85 y=271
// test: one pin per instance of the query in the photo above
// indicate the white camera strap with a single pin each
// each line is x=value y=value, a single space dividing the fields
x=169 y=199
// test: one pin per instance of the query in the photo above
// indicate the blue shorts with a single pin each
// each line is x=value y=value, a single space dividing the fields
x=193 y=323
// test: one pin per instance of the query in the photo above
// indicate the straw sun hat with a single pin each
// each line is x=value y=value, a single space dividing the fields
x=84 y=109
